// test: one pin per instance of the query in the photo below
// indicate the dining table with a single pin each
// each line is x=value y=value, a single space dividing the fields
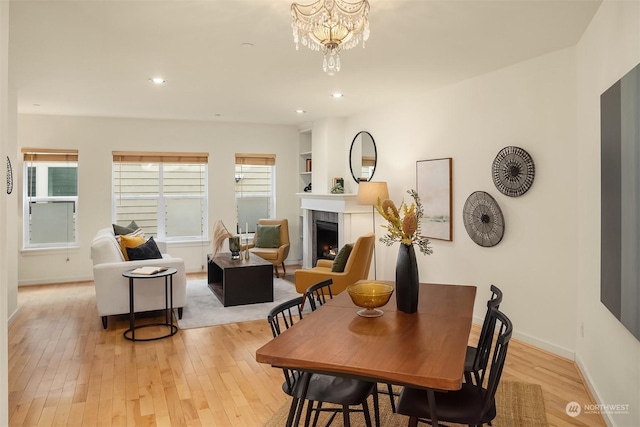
x=425 y=349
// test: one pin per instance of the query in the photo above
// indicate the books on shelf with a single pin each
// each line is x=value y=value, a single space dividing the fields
x=149 y=270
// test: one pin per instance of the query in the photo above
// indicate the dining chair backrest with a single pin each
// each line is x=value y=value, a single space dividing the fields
x=317 y=294
x=504 y=330
x=281 y=318
x=486 y=334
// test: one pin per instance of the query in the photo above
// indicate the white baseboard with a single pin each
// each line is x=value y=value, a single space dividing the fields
x=593 y=390
x=536 y=342
x=58 y=280
x=12 y=317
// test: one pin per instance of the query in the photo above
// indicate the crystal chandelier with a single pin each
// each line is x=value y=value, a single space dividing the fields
x=330 y=26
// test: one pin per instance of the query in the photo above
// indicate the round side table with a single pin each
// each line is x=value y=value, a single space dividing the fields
x=168 y=300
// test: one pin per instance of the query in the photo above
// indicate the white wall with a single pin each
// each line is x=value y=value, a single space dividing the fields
x=7 y=270
x=96 y=138
x=608 y=353
x=329 y=156
x=530 y=105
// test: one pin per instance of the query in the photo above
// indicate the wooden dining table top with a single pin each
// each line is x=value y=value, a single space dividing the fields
x=425 y=349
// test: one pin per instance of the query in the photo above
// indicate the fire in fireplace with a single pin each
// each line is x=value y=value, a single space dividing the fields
x=326 y=239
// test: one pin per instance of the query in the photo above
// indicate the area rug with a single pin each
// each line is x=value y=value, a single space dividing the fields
x=518 y=405
x=204 y=309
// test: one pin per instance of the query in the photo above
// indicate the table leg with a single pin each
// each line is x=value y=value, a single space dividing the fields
x=132 y=315
x=171 y=303
x=166 y=299
x=431 y=398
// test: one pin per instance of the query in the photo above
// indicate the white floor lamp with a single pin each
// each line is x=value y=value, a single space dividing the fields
x=368 y=194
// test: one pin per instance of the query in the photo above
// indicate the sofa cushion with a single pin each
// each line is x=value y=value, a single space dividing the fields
x=268 y=236
x=268 y=254
x=147 y=250
x=130 y=242
x=341 y=259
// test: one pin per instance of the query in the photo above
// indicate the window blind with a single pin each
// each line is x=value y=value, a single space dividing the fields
x=49 y=155
x=255 y=159
x=159 y=157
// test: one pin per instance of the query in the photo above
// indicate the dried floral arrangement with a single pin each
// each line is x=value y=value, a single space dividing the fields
x=404 y=227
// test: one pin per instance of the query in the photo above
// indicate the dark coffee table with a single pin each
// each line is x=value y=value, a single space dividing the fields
x=240 y=281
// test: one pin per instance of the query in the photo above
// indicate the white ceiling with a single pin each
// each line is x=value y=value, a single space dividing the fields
x=94 y=58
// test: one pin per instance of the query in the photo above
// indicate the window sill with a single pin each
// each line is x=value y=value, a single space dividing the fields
x=49 y=251
x=187 y=243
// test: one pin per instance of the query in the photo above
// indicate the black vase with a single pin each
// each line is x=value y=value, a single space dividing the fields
x=407 y=280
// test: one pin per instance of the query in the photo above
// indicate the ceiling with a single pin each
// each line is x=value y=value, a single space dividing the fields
x=94 y=58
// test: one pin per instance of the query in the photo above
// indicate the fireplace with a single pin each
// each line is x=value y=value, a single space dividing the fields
x=349 y=219
x=326 y=240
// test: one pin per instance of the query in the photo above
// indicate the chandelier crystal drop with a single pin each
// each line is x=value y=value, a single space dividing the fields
x=330 y=26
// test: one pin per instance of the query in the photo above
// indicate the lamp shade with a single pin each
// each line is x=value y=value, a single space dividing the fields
x=369 y=192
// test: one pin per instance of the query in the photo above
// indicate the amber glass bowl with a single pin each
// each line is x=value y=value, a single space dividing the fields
x=370 y=296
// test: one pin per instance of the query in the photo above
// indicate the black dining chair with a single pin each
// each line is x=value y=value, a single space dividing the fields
x=476 y=359
x=471 y=405
x=345 y=392
x=317 y=296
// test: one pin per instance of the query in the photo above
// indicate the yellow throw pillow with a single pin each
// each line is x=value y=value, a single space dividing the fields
x=130 y=242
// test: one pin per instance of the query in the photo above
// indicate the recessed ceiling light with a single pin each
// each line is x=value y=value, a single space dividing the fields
x=300 y=111
x=217 y=115
x=337 y=95
x=36 y=105
x=247 y=45
x=157 y=80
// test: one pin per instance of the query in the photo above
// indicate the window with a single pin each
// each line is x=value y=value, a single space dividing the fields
x=368 y=165
x=164 y=193
x=50 y=198
x=255 y=189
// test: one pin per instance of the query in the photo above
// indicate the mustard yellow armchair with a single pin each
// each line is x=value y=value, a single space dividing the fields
x=356 y=268
x=274 y=255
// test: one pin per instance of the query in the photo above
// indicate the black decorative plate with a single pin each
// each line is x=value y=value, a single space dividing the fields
x=513 y=171
x=9 y=176
x=483 y=219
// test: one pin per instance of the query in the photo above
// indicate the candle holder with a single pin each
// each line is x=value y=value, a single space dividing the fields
x=234 y=247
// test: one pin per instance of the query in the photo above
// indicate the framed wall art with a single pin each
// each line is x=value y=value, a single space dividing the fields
x=620 y=200
x=434 y=183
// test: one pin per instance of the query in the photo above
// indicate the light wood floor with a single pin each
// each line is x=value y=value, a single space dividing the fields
x=64 y=369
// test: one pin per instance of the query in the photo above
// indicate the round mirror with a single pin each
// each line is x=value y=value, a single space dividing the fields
x=363 y=157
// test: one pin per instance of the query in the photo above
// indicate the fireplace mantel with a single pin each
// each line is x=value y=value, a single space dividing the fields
x=354 y=220
x=340 y=203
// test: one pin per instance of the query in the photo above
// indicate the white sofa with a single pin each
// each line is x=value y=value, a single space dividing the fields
x=112 y=289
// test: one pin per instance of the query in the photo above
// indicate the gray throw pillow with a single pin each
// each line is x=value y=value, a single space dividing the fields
x=340 y=260
x=147 y=250
x=120 y=230
x=268 y=236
